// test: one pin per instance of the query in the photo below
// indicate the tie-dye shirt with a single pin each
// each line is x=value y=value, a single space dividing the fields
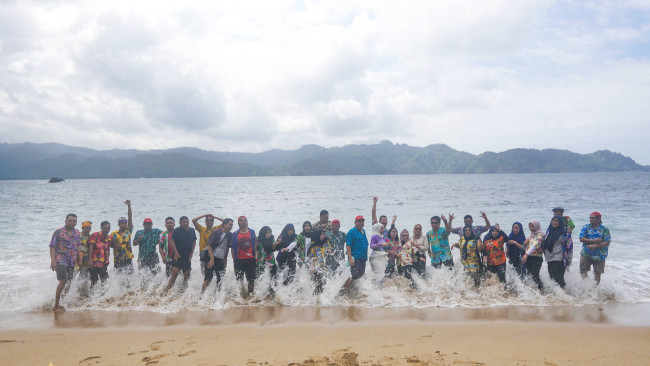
x=65 y=246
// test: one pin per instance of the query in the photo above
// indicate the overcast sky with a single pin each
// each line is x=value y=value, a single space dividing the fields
x=254 y=75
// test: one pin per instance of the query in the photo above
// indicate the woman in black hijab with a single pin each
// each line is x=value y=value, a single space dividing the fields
x=286 y=258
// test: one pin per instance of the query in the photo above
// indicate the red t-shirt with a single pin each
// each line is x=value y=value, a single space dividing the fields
x=244 y=245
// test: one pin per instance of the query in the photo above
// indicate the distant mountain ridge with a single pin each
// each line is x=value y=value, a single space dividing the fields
x=42 y=161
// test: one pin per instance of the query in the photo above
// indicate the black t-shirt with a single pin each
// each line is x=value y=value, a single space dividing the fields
x=183 y=240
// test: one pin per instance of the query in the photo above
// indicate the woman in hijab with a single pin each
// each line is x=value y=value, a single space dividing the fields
x=516 y=248
x=533 y=256
x=316 y=258
x=404 y=238
x=304 y=241
x=469 y=246
x=555 y=247
x=286 y=245
x=421 y=245
x=494 y=248
x=392 y=251
x=265 y=248
x=378 y=245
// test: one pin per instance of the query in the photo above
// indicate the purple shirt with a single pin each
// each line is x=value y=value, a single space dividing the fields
x=65 y=246
x=377 y=243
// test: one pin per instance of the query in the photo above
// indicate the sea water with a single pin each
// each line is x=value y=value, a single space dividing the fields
x=32 y=210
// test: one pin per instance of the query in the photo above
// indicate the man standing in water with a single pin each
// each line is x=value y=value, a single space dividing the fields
x=323 y=223
x=147 y=240
x=383 y=219
x=182 y=243
x=338 y=239
x=568 y=223
x=63 y=255
x=469 y=221
x=82 y=251
x=121 y=243
x=595 y=239
x=357 y=250
x=99 y=249
x=243 y=253
x=205 y=232
x=218 y=247
x=438 y=239
x=163 y=245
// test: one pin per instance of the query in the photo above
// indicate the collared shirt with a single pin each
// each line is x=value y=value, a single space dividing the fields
x=406 y=254
x=495 y=251
x=358 y=242
x=65 y=246
x=121 y=245
x=439 y=243
x=317 y=256
x=163 y=241
x=204 y=234
x=147 y=247
x=338 y=243
x=83 y=248
x=589 y=232
x=101 y=249
x=325 y=227
x=471 y=261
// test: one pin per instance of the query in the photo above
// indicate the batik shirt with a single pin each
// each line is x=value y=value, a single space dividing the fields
x=494 y=249
x=101 y=249
x=83 y=248
x=65 y=246
x=477 y=230
x=338 y=244
x=439 y=242
x=589 y=232
x=147 y=247
x=327 y=227
x=406 y=254
x=317 y=256
x=534 y=247
x=121 y=245
x=358 y=242
x=163 y=241
x=263 y=258
x=471 y=262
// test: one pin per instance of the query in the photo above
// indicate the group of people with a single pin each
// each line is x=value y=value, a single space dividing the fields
x=323 y=248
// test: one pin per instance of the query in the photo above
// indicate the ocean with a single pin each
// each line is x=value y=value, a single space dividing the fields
x=32 y=210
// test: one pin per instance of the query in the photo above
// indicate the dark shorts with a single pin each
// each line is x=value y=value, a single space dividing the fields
x=587 y=262
x=124 y=266
x=185 y=265
x=245 y=266
x=216 y=269
x=97 y=273
x=64 y=272
x=358 y=269
x=168 y=269
x=150 y=263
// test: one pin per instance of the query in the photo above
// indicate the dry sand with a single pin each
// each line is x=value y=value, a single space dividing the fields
x=322 y=341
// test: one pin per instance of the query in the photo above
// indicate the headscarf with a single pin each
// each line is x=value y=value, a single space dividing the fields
x=267 y=243
x=376 y=229
x=122 y=219
x=408 y=238
x=553 y=233
x=520 y=238
x=472 y=236
x=315 y=237
x=537 y=229
x=303 y=228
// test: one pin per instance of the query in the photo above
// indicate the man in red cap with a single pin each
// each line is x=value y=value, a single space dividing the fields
x=338 y=239
x=243 y=252
x=146 y=240
x=595 y=241
x=357 y=250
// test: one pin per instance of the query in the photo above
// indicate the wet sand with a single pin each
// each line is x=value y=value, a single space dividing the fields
x=586 y=335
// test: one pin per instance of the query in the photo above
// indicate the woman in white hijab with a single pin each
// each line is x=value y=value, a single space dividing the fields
x=378 y=243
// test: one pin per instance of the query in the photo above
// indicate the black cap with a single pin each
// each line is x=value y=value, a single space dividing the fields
x=558 y=208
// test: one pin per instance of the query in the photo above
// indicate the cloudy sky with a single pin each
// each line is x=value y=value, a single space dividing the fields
x=254 y=75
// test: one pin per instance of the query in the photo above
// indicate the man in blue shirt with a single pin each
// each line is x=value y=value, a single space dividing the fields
x=357 y=250
x=595 y=241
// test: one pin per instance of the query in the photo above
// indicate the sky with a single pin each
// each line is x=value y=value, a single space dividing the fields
x=255 y=75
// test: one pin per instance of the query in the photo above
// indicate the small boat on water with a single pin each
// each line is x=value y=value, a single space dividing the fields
x=56 y=180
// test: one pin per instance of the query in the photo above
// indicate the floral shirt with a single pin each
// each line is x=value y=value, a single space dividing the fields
x=393 y=248
x=83 y=248
x=406 y=254
x=163 y=241
x=147 y=247
x=264 y=258
x=121 y=245
x=534 y=247
x=338 y=244
x=317 y=256
x=471 y=261
x=327 y=227
x=589 y=232
x=439 y=242
x=101 y=249
x=65 y=246
x=494 y=249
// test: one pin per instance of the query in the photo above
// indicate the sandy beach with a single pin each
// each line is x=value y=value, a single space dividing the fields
x=314 y=336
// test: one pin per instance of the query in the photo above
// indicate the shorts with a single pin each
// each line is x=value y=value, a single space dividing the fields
x=183 y=264
x=97 y=273
x=150 y=263
x=124 y=266
x=245 y=266
x=204 y=266
x=587 y=262
x=64 y=272
x=168 y=269
x=216 y=269
x=358 y=269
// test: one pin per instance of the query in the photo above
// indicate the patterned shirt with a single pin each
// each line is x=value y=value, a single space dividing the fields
x=471 y=261
x=121 y=245
x=406 y=254
x=327 y=227
x=204 y=234
x=589 y=232
x=317 y=256
x=163 y=241
x=494 y=249
x=476 y=229
x=101 y=249
x=439 y=242
x=83 y=248
x=263 y=258
x=65 y=246
x=147 y=247
x=338 y=243
x=534 y=247
x=358 y=242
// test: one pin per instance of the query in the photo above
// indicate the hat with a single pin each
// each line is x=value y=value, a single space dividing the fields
x=336 y=222
x=597 y=214
x=148 y=220
x=359 y=218
x=86 y=223
x=122 y=219
x=242 y=217
x=558 y=208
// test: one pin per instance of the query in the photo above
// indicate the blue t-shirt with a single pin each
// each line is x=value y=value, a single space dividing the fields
x=589 y=232
x=358 y=242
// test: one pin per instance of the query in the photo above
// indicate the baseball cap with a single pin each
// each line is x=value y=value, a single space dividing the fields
x=558 y=208
x=148 y=220
x=359 y=218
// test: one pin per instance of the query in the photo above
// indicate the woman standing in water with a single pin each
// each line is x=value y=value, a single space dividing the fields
x=286 y=258
x=265 y=248
x=533 y=257
x=494 y=248
x=516 y=248
x=316 y=259
x=419 y=243
x=304 y=241
x=556 y=245
x=392 y=251
x=378 y=245
x=469 y=246
x=404 y=238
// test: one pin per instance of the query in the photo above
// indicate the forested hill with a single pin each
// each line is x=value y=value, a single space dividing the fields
x=42 y=161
